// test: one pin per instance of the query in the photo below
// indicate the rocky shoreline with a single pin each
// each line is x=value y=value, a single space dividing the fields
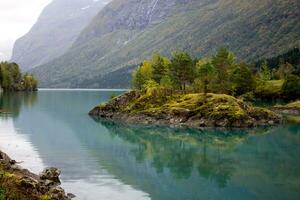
x=18 y=183
x=185 y=110
x=286 y=111
x=292 y=108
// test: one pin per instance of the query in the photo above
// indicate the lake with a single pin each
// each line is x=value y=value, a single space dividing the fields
x=103 y=159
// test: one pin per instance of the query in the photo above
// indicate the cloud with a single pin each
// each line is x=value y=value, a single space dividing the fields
x=16 y=19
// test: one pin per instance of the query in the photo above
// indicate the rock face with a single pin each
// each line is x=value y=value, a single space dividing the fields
x=188 y=110
x=126 y=32
x=55 y=31
x=21 y=184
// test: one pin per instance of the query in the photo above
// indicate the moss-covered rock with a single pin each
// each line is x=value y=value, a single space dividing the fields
x=291 y=108
x=194 y=110
x=20 y=184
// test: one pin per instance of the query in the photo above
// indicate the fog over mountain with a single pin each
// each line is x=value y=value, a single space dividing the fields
x=126 y=32
x=55 y=31
x=16 y=18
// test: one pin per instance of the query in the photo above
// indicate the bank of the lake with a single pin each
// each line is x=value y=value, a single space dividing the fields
x=290 y=108
x=18 y=183
x=192 y=110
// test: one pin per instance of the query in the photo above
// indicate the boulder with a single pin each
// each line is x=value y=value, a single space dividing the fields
x=51 y=174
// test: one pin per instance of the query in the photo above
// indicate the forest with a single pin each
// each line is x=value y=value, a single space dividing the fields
x=222 y=73
x=12 y=79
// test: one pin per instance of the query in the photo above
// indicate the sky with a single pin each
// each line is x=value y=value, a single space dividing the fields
x=16 y=19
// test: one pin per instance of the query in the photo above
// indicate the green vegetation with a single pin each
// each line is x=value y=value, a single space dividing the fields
x=11 y=78
x=2 y=194
x=220 y=73
x=160 y=106
x=20 y=184
x=251 y=29
x=290 y=106
x=292 y=56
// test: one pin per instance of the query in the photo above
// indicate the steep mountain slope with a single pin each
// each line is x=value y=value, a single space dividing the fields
x=55 y=31
x=127 y=31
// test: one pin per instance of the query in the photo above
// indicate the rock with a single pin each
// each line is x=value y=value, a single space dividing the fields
x=70 y=195
x=12 y=162
x=28 y=182
x=222 y=123
x=219 y=110
x=57 y=193
x=23 y=182
x=51 y=174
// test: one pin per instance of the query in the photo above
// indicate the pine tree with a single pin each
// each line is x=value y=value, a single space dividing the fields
x=182 y=69
x=222 y=62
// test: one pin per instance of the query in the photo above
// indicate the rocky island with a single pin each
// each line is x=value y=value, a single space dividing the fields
x=290 y=108
x=17 y=183
x=213 y=91
x=217 y=110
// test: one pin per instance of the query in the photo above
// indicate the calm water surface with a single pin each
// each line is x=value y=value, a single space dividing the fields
x=111 y=160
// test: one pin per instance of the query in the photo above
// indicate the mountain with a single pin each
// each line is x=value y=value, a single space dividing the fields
x=125 y=32
x=55 y=31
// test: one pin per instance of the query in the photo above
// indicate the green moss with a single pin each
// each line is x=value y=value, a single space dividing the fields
x=5 y=175
x=45 y=197
x=216 y=106
x=291 y=106
x=211 y=108
x=295 y=104
x=2 y=193
x=259 y=113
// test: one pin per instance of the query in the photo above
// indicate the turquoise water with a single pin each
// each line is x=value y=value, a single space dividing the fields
x=103 y=159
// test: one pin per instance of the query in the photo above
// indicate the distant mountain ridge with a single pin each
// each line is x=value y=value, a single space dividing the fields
x=125 y=32
x=55 y=31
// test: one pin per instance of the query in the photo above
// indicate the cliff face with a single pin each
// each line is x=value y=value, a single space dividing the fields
x=126 y=32
x=55 y=31
x=133 y=15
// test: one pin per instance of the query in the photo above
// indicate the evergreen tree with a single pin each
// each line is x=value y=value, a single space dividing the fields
x=160 y=67
x=182 y=69
x=265 y=73
x=241 y=79
x=222 y=62
x=206 y=72
x=291 y=87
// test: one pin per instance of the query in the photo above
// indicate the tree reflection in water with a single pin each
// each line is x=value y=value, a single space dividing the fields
x=181 y=150
x=12 y=102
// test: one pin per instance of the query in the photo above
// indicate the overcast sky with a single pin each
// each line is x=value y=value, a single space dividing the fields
x=16 y=19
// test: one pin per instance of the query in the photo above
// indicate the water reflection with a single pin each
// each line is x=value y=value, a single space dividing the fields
x=111 y=160
x=183 y=150
x=11 y=103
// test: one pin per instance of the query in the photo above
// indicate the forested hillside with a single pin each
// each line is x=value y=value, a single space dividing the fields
x=126 y=32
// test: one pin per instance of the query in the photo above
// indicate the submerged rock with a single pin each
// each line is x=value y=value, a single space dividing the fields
x=193 y=110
